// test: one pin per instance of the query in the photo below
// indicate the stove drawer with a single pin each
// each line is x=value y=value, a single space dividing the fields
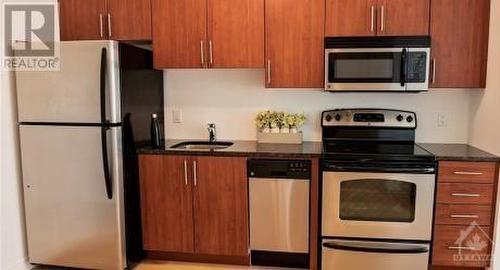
x=357 y=255
x=460 y=214
x=465 y=193
x=466 y=172
x=461 y=246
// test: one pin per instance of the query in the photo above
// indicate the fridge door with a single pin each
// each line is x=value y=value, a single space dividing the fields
x=71 y=220
x=73 y=94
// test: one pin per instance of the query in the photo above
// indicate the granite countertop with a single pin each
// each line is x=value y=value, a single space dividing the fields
x=458 y=152
x=245 y=148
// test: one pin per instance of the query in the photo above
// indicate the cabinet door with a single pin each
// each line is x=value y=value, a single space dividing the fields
x=166 y=203
x=179 y=33
x=403 y=17
x=459 y=31
x=294 y=43
x=82 y=19
x=221 y=206
x=130 y=19
x=236 y=33
x=351 y=17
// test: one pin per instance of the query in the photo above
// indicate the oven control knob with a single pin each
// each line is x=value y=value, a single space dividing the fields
x=399 y=118
x=328 y=118
x=409 y=119
x=338 y=117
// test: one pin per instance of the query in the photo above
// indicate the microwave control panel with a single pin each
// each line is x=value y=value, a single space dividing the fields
x=417 y=67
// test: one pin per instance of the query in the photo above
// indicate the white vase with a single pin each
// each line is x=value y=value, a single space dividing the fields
x=285 y=130
x=294 y=130
x=275 y=130
x=266 y=130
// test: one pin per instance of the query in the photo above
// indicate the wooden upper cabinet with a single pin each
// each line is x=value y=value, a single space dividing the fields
x=221 y=206
x=377 y=17
x=294 y=43
x=403 y=17
x=105 y=19
x=459 y=31
x=130 y=19
x=82 y=19
x=179 y=33
x=236 y=33
x=350 y=18
x=166 y=203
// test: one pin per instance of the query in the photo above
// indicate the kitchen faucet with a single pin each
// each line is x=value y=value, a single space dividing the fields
x=211 y=133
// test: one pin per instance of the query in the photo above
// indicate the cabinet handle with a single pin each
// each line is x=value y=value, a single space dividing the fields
x=465 y=195
x=468 y=173
x=101 y=30
x=195 y=176
x=268 y=71
x=211 y=52
x=372 y=28
x=109 y=25
x=433 y=70
x=464 y=216
x=382 y=19
x=202 y=53
x=462 y=248
x=185 y=173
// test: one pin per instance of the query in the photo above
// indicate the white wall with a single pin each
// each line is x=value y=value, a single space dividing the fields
x=485 y=110
x=231 y=98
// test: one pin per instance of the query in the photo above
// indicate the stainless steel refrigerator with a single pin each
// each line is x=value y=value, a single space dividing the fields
x=79 y=128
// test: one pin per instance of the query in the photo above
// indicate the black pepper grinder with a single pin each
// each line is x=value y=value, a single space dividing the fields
x=155 y=132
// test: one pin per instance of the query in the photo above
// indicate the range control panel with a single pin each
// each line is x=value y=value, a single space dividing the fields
x=369 y=118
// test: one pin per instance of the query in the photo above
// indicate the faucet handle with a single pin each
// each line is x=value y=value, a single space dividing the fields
x=211 y=125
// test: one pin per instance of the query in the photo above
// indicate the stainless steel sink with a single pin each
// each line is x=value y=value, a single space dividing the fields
x=198 y=145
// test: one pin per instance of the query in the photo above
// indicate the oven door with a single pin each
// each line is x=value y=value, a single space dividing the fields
x=377 y=205
x=357 y=255
x=376 y=69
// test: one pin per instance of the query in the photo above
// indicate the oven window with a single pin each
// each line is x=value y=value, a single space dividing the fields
x=377 y=200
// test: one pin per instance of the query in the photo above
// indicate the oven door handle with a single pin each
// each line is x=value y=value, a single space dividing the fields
x=372 y=247
x=347 y=168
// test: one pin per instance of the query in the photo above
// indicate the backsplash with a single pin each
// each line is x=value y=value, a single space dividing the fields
x=231 y=99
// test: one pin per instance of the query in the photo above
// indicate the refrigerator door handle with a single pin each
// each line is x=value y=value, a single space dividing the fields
x=105 y=163
x=104 y=67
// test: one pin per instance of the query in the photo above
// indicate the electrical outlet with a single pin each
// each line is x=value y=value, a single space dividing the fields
x=177 y=116
x=442 y=120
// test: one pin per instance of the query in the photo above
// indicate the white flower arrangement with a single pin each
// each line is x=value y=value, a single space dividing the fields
x=268 y=121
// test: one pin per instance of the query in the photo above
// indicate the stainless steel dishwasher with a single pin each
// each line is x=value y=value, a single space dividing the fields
x=279 y=212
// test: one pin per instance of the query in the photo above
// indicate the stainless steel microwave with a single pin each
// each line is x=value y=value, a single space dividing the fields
x=377 y=63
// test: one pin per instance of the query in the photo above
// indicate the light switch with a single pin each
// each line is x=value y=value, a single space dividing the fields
x=177 y=116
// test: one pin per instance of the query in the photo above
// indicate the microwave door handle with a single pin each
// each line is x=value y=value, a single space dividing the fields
x=360 y=246
x=404 y=66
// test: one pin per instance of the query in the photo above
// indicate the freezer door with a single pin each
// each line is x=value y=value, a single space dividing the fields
x=73 y=94
x=71 y=221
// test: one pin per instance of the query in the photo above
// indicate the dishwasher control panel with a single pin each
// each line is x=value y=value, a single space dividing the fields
x=288 y=169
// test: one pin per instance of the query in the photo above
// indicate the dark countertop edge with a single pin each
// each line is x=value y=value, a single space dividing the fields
x=229 y=154
x=458 y=152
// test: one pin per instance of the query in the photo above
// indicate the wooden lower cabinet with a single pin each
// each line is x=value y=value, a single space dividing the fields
x=195 y=206
x=464 y=217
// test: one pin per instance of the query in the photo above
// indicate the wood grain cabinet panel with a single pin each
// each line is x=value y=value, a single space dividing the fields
x=166 y=204
x=462 y=214
x=351 y=18
x=130 y=19
x=459 y=31
x=82 y=19
x=461 y=193
x=179 y=33
x=403 y=17
x=294 y=43
x=466 y=172
x=221 y=206
x=236 y=33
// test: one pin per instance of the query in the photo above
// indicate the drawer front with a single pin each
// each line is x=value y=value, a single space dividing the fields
x=463 y=214
x=466 y=172
x=471 y=249
x=465 y=193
